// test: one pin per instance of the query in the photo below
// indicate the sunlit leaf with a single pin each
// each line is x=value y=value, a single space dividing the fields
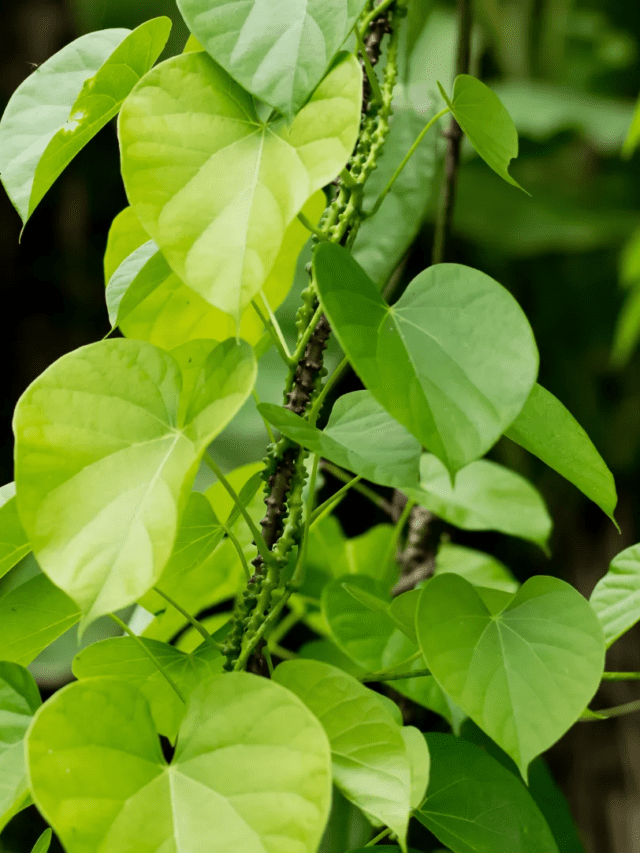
x=457 y=400
x=420 y=762
x=616 y=596
x=215 y=186
x=14 y=544
x=125 y=236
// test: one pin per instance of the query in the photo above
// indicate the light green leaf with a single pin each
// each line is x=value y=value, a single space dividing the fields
x=627 y=331
x=420 y=762
x=122 y=658
x=360 y=436
x=148 y=301
x=369 y=757
x=19 y=700
x=633 y=134
x=478 y=568
x=14 y=544
x=616 y=596
x=251 y=761
x=125 y=236
x=106 y=452
x=188 y=127
x=525 y=674
x=279 y=52
x=42 y=844
x=327 y=652
x=486 y=496
x=66 y=101
x=33 y=614
x=457 y=400
x=475 y=805
x=545 y=428
x=486 y=123
x=425 y=691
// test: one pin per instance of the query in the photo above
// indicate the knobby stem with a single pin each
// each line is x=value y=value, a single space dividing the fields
x=304 y=339
x=375 y=13
x=150 y=655
x=206 y=636
x=259 y=633
x=404 y=161
x=308 y=224
x=298 y=572
x=371 y=74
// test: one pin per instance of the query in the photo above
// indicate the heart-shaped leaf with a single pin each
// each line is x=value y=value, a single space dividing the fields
x=148 y=301
x=360 y=436
x=370 y=762
x=120 y=446
x=215 y=186
x=616 y=596
x=478 y=568
x=545 y=428
x=277 y=51
x=457 y=400
x=524 y=674
x=19 y=700
x=252 y=762
x=66 y=101
x=14 y=544
x=487 y=124
x=122 y=658
x=475 y=805
x=486 y=496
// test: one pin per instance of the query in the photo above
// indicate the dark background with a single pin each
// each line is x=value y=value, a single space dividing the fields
x=569 y=72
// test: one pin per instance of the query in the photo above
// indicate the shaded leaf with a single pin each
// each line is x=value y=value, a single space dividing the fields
x=42 y=844
x=478 y=568
x=616 y=597
x=627 y=331
x=420 y=762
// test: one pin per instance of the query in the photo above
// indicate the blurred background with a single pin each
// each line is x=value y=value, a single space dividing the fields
x=568 y=71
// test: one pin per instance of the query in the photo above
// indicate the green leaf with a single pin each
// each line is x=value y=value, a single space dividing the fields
x=251 y=761
x=420 y=762
x=475 y=805
x=360 y=436
x=627 y=331
x=19 y=700
x=125 y=236
x=66 y=101
x=524 y=674
x=42 y=844
x=33 y=614
x=486 y=496
x=456 y=400
x=369 y=756
x=545 y=428
x=278 y=52
x=486 y=123
x=149 y=302
x=328 y=652
x=14 y=544
x=122 y=658
x=478 y=568
x=106 y=452
x=633 y=134
x=346 y=826
x=616 y=596
x=188 y=127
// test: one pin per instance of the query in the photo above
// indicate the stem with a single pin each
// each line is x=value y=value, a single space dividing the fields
x=331 y=381
x=150 y=655
x=620 y=676
x=240 y=552
x=341 y=475
x=371 y=74
x=404 y=162
x=416 y=673
x=375 y=13
x=397 y=532
x=258 y=635
x=308 y=224
x=617 y=711
x=298 y=572
x=304 y=340
x=267 y=657
x=260 y=543
x=333 y=500
x=379 y=837
x=389 y=674
x=266 y=423
x=197 y=625
x=273 y=327
x=282 y=628
x=347 y=180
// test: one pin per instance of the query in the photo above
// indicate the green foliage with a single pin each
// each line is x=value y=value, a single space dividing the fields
x=42 y=844
x=14 y=545
x=616 y=596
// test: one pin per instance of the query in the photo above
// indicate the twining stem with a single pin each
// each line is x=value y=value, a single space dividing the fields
x=273 y=327
x=239 y=551
x=308 y=224
x=404 y=161
x=331 y=381
x=335 y=499
x=150 y=655
x=379 y=837
x=621 y=676
x=375 y=13
x=192 y=621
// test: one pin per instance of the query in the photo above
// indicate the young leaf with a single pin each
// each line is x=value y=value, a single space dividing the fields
x=545 y=428
x=486 y=123
x=148 y=301
x=215 y=186
x=486 y=496
x=457 y=400
x=478 y=568
x=122 y=658
x=280 y=51
x=251 y=761
x=19 y=700
x=616 y=596
x=369 y=757
x=66 y=101
x=103 y=422
x=14 y=544
x=360 y=436
x=524 y=674
x=43 y=843
x=474 y=805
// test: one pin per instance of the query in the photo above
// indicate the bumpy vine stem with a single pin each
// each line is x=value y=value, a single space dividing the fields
x=285 y=471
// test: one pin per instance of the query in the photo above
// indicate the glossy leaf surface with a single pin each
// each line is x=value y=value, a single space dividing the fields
x=120 y=447
x=545 y=428
x=360 y=436
x=369 y=756
x=616 y=596
x=487 y=124
x=524 y=674
x=19 y=700
x=456 y=400
x=278 y=51
x=66 y=101
x=486 y=496
x=219 y=187
x=474 y=805
x=251 y=760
